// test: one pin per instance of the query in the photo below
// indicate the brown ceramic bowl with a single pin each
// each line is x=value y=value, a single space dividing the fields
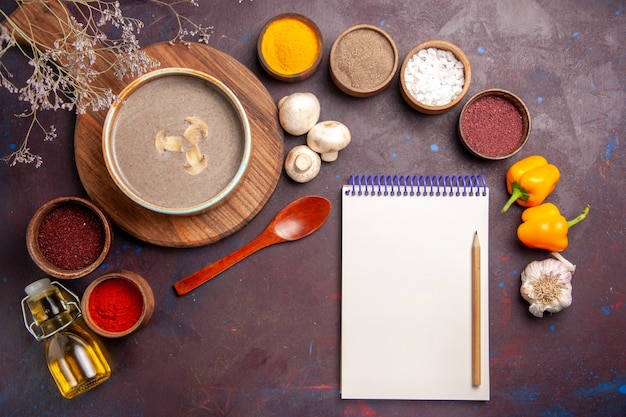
x=444 y=46
x=265 y=47
x=363 y=61
x=161 y=103
x=50 y=247
x=117 y=304
x=494 y=146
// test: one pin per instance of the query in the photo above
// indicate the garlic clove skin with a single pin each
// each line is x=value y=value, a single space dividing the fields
x=546 y=285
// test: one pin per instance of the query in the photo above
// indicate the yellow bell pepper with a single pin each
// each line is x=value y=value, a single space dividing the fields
x=544 y=227
x=530 y=181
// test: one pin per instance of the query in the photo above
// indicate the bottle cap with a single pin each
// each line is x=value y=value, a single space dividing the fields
x=38 y=286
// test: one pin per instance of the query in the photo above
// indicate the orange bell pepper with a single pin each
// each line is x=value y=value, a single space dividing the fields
x=530 y=181
x=544 y=227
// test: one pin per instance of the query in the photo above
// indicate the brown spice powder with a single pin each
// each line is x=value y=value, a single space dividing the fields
x=364 y=59
x=71 y=237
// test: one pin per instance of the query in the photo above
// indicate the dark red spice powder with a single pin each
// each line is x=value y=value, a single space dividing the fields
x=492 y=126
x=71 y=237
x=115 y=304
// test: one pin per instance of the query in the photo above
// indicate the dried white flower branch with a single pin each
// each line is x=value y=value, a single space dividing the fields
x=63 y=75
x=186 y=28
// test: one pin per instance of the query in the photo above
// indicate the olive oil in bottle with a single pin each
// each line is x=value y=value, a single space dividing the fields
x=74 y=358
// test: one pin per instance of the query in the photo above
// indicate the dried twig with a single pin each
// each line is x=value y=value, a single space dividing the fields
x=63 y=75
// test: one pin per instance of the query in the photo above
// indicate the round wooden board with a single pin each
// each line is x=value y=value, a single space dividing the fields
x=246 y=201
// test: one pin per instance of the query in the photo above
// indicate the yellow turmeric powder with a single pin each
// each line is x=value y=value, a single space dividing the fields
x=290 y=45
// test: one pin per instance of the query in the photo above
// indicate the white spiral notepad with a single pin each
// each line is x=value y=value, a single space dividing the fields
x=406 y=325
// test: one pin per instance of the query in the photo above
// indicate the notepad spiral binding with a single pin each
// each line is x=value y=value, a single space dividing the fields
x=417 y=185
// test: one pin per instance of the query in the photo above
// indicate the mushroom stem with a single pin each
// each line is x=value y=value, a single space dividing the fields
x=329 y=156
x=303 y=162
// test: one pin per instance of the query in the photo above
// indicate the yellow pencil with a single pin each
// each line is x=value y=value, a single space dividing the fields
x=476 y=311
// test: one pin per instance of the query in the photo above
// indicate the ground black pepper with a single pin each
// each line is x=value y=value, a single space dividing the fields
x=71 y=237
x=492 y=126
x=365 y=59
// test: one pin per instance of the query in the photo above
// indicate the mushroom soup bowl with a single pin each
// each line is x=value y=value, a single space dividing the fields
x=177 y=141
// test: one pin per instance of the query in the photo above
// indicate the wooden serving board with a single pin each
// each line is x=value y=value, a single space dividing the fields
x=245 y=202
x=44 y=21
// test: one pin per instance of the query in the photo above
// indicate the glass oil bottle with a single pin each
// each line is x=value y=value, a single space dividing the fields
x=74 y=358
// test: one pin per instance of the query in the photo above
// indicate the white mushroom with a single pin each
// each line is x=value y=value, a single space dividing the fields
x=298 y=112
x=302 y=164
x=196 y=161
x=196 y=131
x=328 y=138
x=168 y=143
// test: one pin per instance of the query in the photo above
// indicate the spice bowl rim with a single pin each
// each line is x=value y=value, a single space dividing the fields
x=458 y=53
x=519 y=105
x=140 y=284
x=300 y=76
x=116 y=173
x=362 y=92
x=32 y=237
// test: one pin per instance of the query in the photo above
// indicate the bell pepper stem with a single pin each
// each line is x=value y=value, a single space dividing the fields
x=517 y=192
x=582 y=216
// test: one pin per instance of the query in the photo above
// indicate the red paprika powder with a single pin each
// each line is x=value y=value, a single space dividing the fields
x=115 y=305
x=71 y=237
x=493 y=126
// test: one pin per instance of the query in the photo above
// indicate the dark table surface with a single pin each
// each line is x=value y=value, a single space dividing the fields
x=263 y=338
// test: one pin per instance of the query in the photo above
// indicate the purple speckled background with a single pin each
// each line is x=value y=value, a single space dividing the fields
x=263 y=338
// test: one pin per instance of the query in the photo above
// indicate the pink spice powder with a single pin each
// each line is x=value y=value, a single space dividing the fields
x=492 y=126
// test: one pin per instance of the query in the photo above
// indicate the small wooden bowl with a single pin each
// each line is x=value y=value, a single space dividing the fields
x=363 y=61
x=506 y=151
x=35 y=249
x=445 y=46
x=106 y=310
x=262 y=44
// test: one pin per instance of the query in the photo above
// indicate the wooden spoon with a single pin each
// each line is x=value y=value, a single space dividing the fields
x=298 y=219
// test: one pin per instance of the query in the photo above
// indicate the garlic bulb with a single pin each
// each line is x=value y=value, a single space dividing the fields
x=546 y=285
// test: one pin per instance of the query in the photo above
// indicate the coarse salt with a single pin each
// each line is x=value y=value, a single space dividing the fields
x=434 y=77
